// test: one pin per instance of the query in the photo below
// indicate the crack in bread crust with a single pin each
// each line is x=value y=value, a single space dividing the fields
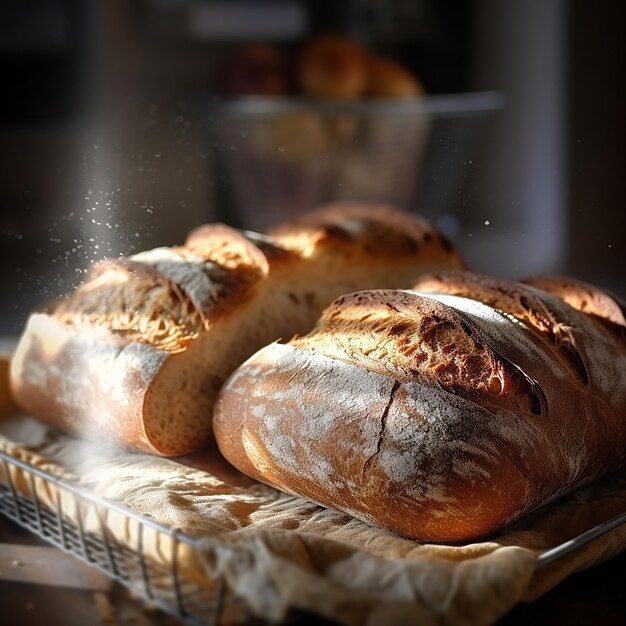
x=383 y=424
x=412 y=338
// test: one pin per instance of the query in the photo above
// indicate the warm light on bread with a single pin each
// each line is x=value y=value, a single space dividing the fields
x=389 y=79
x=137 y=354
x=332 y=68
x=441 y=413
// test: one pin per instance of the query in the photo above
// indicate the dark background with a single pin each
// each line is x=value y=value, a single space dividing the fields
x=102 y=150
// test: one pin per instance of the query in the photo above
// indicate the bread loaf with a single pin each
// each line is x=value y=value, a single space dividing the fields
x=389 y=79
x=333 y=68
x=8 y=408
x=442 y=413
x=137 y=354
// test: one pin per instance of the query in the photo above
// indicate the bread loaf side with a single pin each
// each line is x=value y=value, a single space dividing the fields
x=441 y=414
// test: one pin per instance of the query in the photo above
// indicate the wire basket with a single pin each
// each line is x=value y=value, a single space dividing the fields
x=65 y=526
x=278 y=157
x=65 y=520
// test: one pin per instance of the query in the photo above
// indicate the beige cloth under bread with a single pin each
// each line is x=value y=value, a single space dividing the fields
x=279 y=552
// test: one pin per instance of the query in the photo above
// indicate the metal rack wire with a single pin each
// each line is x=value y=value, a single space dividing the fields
x=159 y=584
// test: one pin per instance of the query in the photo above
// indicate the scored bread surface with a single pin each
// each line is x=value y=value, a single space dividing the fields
x=137 y=354
x=436 y=415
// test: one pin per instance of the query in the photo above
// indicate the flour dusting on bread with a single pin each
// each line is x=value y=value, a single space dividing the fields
x=200 y=310
x=441 y=414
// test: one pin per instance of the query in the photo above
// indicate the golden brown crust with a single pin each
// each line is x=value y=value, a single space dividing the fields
x=427 y=342
x=365 y=229
x=165 y=297
x=582 y=296
x=332 y=68
x=8 y=406
x=536 y=311
x=135 y=303
x=229 y=249
x=436 y=415
x=499 y=293
x=137 y=354
x=389 y=79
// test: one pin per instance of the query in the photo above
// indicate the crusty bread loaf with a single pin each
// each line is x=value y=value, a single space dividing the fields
x=137 y=354
x=389 y=79
x=583 y=297
x=333 y=68
x=442 y=414
x=8 y=408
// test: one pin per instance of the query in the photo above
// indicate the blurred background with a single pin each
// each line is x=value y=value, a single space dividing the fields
x=125 y=124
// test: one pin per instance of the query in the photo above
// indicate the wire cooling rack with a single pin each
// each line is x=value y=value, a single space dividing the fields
x=159 y=584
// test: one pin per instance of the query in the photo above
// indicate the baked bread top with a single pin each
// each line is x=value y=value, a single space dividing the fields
x=164 y=297
x=364 y=229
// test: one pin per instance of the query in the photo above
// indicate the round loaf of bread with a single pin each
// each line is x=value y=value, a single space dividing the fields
x=389 y=79
x=333 y=68
x=441 y=414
